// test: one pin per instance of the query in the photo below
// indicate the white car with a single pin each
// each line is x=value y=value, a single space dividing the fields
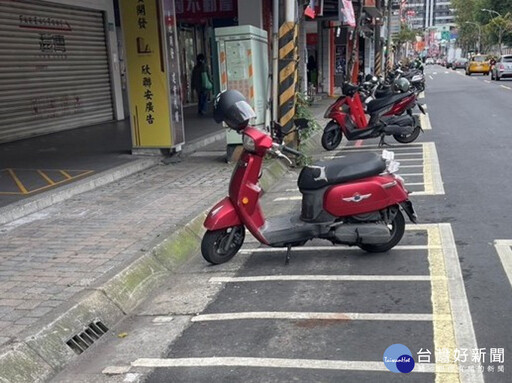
x=429 y=61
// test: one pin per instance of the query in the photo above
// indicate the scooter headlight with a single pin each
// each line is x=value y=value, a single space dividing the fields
x=249 y=143
x=328 y=111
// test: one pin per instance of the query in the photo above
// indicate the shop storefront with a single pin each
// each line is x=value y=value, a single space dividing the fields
x=57 y=68
x=196 y=23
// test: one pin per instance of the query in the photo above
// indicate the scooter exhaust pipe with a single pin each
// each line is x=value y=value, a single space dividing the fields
x=397 y=129
x=364 y=233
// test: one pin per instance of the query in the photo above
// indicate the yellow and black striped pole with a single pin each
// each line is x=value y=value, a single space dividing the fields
x=378 y=63
x=288 y=34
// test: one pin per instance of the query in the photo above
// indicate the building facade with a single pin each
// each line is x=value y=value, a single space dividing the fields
x=424 y=14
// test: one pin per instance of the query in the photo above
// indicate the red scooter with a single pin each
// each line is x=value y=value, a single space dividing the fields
x=379 y=118
x=355 y=200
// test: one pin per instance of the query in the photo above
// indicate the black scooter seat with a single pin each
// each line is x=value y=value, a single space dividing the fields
x=381 y=103
x=340 y=170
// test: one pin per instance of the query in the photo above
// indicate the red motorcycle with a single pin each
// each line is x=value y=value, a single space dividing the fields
x=388 y=116
x=356 y=200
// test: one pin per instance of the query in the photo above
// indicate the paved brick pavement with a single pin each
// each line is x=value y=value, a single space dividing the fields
x=49 y=256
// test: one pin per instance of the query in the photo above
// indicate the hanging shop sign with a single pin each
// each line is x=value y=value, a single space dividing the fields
x=206 y=9
x=173 y=68
x=147 y=76
x=346 y=13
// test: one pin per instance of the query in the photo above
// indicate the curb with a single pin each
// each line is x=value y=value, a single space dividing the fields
x=46 y=199
x=41 y=356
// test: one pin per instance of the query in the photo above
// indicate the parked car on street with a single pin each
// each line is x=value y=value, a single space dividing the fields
x=478 y=64
x=459 y=63
x=449 y=63
x=502 y=68
x=429 y=61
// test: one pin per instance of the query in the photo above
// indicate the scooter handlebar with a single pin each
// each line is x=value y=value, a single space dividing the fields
x=289 y=150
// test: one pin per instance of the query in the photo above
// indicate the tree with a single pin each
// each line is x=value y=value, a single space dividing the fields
x=501 y=25
x=405 y=35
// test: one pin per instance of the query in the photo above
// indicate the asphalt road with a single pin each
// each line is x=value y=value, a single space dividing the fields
x=442 y=292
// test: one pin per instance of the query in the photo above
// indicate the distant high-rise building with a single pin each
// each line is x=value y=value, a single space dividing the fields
x=422 y=14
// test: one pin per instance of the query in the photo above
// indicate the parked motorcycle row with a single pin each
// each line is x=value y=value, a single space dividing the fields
x=355 y=200
x=376 y=108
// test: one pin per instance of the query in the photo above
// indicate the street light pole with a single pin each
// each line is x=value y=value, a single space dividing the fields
x=479 y=34
x=500 y=28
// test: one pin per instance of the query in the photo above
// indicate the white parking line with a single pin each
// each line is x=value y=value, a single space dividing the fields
x=286 y=315
x=506 y=87
x=431 y=77
x=309 y=364
x=504 y=249
x=323 y=248
x=324 y=278
x=421 y=95
x=487 y=81
x=425 y=122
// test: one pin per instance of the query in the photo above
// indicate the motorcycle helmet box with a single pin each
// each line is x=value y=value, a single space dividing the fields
x=231 y=108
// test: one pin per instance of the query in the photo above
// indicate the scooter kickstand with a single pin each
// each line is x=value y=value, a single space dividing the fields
x=382 y=142
x=288 y=253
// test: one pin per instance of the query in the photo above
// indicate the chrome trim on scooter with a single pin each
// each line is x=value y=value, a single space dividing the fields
x=390 y=185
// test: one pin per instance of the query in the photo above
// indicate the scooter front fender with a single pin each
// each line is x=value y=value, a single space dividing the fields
x=222 y=216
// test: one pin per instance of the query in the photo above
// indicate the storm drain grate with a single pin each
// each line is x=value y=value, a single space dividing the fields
x=82 y=341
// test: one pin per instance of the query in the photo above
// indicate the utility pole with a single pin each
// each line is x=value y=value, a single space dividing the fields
x=388 y=42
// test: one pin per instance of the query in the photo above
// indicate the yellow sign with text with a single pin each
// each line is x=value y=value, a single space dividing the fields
x=147 y=78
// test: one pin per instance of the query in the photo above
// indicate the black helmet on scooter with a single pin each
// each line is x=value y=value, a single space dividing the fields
x=401 y=85
x=231 y=107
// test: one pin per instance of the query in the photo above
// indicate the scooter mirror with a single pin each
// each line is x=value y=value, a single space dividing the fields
x=301 y=123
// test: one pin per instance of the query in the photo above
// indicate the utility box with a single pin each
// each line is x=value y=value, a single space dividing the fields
x=243 y=65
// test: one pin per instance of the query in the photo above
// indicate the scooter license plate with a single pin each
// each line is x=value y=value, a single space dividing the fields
x=409 y=209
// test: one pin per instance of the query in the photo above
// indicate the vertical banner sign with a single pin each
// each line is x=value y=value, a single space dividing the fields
x=147 y=78
x=173 y=65
x=346 y=13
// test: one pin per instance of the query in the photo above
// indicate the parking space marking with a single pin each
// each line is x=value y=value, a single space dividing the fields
x=487 y=81
x=284 y=315
x=427 y=155
x=504 y=249
x=20 y=185
x=449 y=298
x=505 y=87
x=425 y=122
x=324 y=278
x=431 y=170
x=322 y=248
x=450 y=316
x=421 y=95
x=28 y=181
x=310 y=364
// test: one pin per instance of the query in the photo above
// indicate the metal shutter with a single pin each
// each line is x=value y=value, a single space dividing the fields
x=54 y=69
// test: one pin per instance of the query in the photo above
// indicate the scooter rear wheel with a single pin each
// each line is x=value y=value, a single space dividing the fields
x=213 y=245
x=407 y=138
x=332 y=136
x=397 y=228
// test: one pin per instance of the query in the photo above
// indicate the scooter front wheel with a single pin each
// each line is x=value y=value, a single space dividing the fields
x=331 y=136
x=219 y=246
x=407 y=138
x=397 y=228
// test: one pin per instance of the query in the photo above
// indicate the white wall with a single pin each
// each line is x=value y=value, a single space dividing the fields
x=106 y=6
x=250 y=12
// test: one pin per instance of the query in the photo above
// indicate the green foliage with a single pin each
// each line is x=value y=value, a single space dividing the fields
x=302 y=110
